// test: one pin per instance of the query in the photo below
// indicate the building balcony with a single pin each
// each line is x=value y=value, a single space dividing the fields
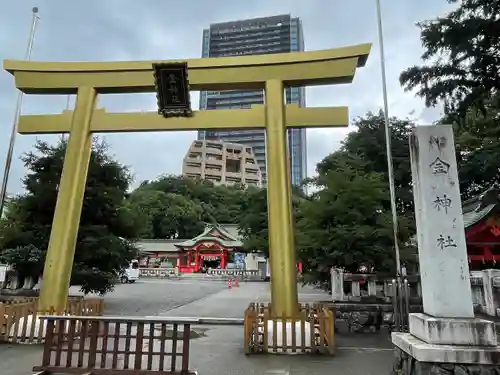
x=213 y=172
x=212 y=151
x=191 y=169
x=233 y=175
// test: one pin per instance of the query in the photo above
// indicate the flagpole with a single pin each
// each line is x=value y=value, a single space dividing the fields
x=390 y=168
x=19 y=104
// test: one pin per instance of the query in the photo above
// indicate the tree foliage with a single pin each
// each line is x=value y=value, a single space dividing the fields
x=346 y=223
x=365 y=150
x=254 y=224
x=461 y=50
x=166 y=215
x=106 y=230
x=177 y=207
x=462 y=56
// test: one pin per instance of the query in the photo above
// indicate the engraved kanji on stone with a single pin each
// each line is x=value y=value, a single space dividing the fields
x=444 y=242
x=442 y=203
x=437 y=141
x=439 y=166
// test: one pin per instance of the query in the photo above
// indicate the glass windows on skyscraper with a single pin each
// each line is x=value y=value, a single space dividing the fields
x=274 y=34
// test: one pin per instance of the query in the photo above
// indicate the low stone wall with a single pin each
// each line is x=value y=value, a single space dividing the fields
x=357 y=287
x=370 y=288
x=361 y=317
x=235 y=273
x=159 y=272
x=486 y=292
x=404 y=364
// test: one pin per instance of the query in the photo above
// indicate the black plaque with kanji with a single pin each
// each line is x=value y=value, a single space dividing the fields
x=172 y=89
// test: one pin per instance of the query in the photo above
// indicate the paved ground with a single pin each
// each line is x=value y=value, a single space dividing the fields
x=222 y=348
x=153 y=297
x=220 y=352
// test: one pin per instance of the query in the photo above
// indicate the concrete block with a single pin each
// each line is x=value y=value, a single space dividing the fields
x=432 y=353
x=452 y=331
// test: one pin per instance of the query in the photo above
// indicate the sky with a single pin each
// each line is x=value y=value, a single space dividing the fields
x=115 y=30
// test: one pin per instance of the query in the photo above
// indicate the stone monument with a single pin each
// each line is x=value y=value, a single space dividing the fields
x=446 y=338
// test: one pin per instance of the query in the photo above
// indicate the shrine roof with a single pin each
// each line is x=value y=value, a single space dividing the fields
x=213 y=232
x=480 y=207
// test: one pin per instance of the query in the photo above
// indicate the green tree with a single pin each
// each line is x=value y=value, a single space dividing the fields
x=364 y=150
x=217 y=204
x=478 y=146
x=166 y=215
x=253 y=223
x=346 y=224
x=104 y=244
x=461 y=50
x=462 y=56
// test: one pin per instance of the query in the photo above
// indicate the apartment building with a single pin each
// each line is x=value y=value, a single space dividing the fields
x=222 y=163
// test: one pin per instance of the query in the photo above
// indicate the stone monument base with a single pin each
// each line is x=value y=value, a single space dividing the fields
x=446 y=346
x=452 y=331
x=405 y=364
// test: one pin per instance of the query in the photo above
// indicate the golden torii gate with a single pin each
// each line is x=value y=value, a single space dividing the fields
x=271 y=73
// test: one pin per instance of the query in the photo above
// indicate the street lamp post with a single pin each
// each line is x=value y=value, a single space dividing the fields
x=19 y=104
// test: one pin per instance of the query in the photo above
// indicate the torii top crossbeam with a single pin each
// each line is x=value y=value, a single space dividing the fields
x=324 y=67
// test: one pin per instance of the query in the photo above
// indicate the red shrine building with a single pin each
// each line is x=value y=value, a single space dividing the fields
x=214 y=248
x=482 y=229
x=218 y=246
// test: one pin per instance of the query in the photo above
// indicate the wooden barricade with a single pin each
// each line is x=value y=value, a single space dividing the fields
x=312 y=331
x=121 y=345
x=19 y=321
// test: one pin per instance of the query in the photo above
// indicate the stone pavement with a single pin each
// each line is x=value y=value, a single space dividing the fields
x=231 y=303
x=220 y=350
x=152 y=296
x=19 y=359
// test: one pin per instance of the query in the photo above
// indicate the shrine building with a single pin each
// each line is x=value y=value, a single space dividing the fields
x=214 y=248
x=482 y=229
x=219 y=246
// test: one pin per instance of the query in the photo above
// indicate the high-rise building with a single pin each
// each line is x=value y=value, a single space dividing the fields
x=222 y=163
x=257 y=36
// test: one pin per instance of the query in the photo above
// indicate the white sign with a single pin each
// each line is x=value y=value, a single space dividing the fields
x=210 y=257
